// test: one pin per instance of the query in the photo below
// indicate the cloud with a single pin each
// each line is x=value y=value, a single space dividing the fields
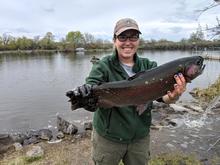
x=49 y=10
x=29 y=17
x=21 y=30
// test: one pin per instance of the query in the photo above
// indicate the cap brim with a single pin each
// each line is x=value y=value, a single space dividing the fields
x=126 y=28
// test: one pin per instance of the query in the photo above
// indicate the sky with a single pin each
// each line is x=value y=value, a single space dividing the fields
x=157 y=19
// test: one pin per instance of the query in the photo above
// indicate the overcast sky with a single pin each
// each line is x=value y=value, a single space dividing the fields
x=168 y=19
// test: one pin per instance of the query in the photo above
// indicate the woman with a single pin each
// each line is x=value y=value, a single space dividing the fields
x=120 y=133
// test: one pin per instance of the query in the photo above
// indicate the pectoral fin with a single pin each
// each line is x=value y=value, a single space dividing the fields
x=141 y=108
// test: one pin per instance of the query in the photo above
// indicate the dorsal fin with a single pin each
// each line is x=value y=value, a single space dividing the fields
x=136 y=75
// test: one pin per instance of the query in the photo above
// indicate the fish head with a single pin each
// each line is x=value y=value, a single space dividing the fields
x=193 y=67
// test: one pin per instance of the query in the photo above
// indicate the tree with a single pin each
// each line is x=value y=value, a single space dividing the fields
x=47 y=42
x=24 y=43
x=75 y=38
x=141 y=42
x=216 y=29
x=198 y=35
x=6 y=39
x=89 y=38
x=1 y=41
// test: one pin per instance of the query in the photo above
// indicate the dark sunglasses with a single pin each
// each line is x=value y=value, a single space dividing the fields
x=123 y=38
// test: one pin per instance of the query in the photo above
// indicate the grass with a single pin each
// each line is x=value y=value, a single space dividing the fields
x=173 y=159
x=24 y=160
x=64 y=153
x=79 y=152
x=209 y=93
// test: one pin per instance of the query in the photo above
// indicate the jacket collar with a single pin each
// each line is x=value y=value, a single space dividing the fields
x=117 y=66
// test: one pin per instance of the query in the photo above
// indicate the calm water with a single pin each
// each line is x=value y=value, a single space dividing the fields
x=32 y=87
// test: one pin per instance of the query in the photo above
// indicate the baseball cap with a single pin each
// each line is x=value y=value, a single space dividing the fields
x=125 y=24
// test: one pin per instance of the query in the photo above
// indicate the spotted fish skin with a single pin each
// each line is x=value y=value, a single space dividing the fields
x=148 y=85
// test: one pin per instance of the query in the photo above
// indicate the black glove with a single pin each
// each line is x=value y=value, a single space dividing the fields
x=81 y=91
x=81 y=97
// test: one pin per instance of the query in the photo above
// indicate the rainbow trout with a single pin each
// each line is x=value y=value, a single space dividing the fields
x=145 y=86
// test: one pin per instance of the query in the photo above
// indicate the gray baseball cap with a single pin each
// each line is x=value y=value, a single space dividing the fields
x=125 y=24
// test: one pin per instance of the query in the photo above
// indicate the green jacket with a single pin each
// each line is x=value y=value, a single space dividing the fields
x=123 y=124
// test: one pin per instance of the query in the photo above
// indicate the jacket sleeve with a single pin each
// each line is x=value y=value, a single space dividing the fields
x=97 y=74
x=152 y=64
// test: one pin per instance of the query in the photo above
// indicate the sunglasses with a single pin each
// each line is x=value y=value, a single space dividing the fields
x=123 y=38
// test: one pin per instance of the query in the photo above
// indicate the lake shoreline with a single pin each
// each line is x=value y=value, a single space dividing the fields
x=27 y=51
x=169 y=136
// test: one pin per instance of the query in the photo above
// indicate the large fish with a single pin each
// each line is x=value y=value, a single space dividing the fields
x=144 y=86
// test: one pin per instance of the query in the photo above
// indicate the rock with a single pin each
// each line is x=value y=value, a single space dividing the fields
x=156 y=127
x=88 y=125
x=5 y=139
x=216 y=109
x=32 y=133
x=194 y=108
x=179 y=108
x=19 y=137
x=35 y=136
x=45 y=134
x=177 y=122
x=78 y=136
x=53 y=141
x=31 y=140
x=65 y=126
x=6 y=142
x=217 y=106
x=18 y=146
x=157 y=105
x=35 y=151
x=88 y=133
x=60 y=135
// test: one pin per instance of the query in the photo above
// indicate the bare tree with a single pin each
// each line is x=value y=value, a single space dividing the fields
x=213 y=31
x=214 y=4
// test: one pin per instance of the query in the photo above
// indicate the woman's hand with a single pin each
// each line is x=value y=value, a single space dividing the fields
x=179 y=88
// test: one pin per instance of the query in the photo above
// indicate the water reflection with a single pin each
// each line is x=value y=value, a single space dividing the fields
x=33 y=86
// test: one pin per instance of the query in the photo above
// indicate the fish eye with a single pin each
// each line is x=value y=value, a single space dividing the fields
x=199 y=62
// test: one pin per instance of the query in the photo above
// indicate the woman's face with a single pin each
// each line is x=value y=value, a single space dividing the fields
x=127 y=43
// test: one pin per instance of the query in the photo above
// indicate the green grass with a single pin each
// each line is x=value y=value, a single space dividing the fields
x=23 y=160
x=208 y=93
x=173 y=159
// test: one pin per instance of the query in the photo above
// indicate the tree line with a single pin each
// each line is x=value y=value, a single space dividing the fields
x=71 y=41
x=75 y=39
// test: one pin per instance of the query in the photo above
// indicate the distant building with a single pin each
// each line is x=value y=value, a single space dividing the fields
x=80 y=49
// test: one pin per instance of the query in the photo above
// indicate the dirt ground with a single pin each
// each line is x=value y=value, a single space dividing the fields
x=77 y=151
x=195 y=134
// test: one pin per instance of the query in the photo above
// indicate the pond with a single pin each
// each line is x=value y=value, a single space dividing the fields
x=32 y=87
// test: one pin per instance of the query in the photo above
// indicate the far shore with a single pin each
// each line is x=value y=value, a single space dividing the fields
x=26 y=51
x=49 y=51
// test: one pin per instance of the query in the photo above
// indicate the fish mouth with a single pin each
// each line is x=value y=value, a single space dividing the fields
x=194 y=69
x=201 y=69
x=200 y=64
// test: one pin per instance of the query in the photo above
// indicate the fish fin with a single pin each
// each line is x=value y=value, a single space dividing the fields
x=142 y=108
x=136 y=75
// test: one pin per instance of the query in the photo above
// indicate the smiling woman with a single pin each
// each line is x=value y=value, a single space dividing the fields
x=126 y=45
x=121 y=132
